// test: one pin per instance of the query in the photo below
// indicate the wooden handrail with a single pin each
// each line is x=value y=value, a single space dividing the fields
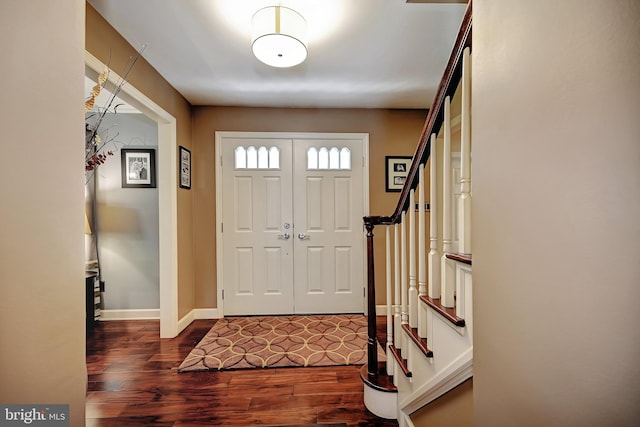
x=435 y=117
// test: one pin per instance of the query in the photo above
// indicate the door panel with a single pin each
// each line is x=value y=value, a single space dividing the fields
x=257 y=260
x=342 y=204
x=328 y=211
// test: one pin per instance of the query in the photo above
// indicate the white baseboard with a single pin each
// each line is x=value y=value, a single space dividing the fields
x=185 y=321
x=130 y=314
x=207 y=313
x=381 y=310
x=198 y=313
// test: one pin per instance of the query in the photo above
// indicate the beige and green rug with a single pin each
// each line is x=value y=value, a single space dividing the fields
x=281 y=341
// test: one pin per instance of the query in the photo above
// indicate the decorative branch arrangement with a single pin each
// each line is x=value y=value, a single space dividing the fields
x=96 y=139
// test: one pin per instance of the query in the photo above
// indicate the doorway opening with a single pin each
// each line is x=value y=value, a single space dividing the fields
x=167 y=194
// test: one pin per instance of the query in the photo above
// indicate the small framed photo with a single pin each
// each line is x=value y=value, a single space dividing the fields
x=185 y=168
x=396 y=171
x=138 y=167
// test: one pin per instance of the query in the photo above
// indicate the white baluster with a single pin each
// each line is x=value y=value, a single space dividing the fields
x=422 y=261
x=403 y=274
x=413 y=290
x=397 y=317
x=448 y=269
x=389 y=301
x=464 y=207
x=434 y=254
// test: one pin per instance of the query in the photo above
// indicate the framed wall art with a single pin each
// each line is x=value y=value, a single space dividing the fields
x=138 y=167
x=396 y=171
x=185 y=168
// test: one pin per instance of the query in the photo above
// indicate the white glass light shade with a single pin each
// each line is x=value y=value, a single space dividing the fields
x=279 y=36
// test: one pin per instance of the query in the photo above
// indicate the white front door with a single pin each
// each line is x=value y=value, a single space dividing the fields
x=257 y=213
x=328 y=211
x=290 y=224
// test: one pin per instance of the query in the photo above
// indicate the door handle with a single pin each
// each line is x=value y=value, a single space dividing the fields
x=303 y=236
x=284 y=236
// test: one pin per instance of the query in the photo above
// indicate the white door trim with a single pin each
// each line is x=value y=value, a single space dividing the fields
x=220 y=135
x=167 y=194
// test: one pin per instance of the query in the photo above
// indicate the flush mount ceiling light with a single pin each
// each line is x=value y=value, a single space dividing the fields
x=279 y=36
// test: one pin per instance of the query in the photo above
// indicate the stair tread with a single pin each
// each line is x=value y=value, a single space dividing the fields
x=310 y=425
x=397 y=354
x=447 y=312
x=463 y=258
x=380 y=381
x=421 y=343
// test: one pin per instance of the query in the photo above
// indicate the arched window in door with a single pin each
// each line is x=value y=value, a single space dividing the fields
x=328 y=158
x=257 y=158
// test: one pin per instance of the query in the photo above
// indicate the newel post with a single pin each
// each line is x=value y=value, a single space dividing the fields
x=372 y=340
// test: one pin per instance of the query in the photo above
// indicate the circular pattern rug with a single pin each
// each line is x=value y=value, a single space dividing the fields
x=281 y=341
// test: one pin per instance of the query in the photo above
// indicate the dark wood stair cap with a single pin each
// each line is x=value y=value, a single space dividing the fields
x=421 y=343
x=463 y=258
x=397 y=354
x=380 y=381
x=447 y=312
x=310 y=425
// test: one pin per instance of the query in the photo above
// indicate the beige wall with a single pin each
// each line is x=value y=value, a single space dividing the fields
x=556 y=209
x=105 y=43
x=454 y=409
x=391 y=132
x=42 y=308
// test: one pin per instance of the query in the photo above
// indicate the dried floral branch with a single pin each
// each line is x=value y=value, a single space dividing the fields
x=94 y=144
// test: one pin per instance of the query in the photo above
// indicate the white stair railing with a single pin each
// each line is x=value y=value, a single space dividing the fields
x=422 y=260
x=464 y=207
x=413 y=291
x=414 y=271
x=434 y=253
x=404 y=276
x=389 y=300
x=447 y=267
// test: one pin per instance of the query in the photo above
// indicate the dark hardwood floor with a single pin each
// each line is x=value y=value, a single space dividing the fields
x=133 y=381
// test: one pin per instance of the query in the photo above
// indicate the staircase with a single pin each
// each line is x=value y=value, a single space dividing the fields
x=428 y=290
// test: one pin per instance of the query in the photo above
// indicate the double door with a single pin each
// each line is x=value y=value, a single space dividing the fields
x=292 y=209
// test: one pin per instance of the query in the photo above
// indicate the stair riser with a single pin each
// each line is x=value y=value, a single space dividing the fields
x=449 y=342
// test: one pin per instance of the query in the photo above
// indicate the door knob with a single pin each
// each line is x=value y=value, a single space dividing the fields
x=303 y=236
x=284 y=236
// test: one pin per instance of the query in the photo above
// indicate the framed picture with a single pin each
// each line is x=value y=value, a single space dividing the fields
x=185 y=168
x=396 y=171
x=138 y=167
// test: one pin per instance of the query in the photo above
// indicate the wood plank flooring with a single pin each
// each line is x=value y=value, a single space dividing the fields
x=133 y=381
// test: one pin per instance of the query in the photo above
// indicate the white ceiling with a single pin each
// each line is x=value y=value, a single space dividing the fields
x=362 y=53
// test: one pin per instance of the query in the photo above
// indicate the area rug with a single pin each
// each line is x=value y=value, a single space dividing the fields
x=281 y=341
